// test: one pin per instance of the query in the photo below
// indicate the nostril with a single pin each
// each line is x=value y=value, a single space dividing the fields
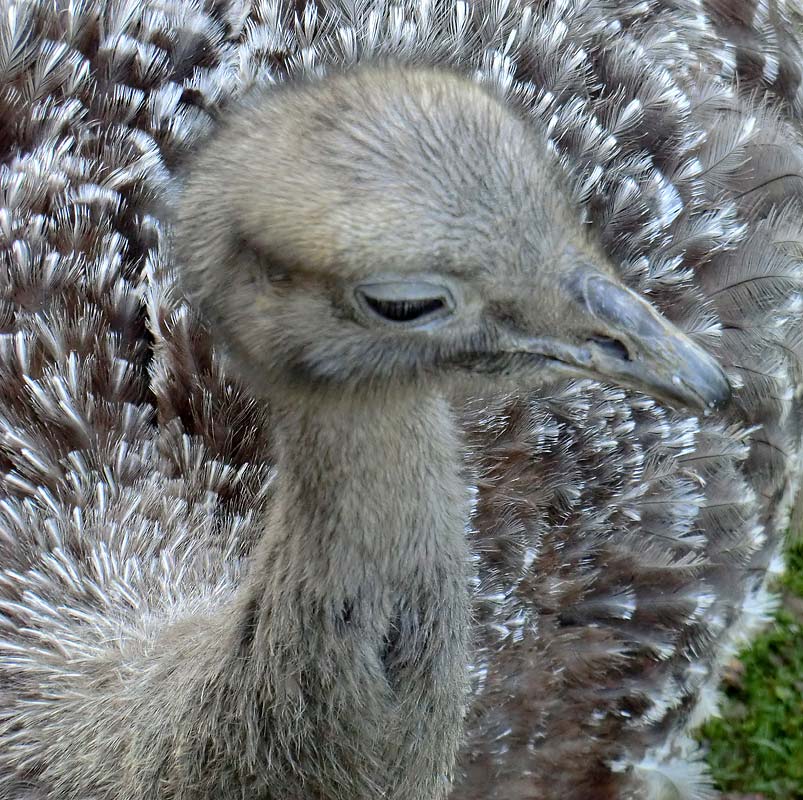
x=612 y=347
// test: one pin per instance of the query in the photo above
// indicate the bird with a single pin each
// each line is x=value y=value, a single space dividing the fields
x=623 y=524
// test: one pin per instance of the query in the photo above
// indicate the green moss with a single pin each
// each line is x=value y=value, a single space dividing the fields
x=757 y=745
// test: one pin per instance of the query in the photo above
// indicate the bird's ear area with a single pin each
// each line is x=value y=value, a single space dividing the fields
x=270 y=269
x=259 y=264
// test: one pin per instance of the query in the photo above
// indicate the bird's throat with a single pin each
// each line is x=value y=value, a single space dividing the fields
x=370 y=488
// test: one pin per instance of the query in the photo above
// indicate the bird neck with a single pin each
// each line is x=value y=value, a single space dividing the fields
x=354 y=625
x=371 y=503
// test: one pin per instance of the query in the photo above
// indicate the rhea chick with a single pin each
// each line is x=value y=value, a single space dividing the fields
x=359 y=245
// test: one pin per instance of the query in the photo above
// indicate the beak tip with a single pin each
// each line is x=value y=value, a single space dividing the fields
x=701 y=376
x=717 y=392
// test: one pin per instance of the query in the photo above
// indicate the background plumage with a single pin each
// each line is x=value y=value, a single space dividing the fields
x=622 y=549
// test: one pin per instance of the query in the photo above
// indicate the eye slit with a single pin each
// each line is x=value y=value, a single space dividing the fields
x=404 y=310
x=411 y=303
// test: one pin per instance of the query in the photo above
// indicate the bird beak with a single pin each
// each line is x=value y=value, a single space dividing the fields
x=629 y=343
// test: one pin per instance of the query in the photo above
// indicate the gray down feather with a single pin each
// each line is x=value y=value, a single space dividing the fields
x=623 y=550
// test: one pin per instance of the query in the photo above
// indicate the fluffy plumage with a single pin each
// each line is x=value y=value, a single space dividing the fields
x=622 y=549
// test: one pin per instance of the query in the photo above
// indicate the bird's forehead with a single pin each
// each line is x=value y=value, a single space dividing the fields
x=466 y=234
x=398 y=181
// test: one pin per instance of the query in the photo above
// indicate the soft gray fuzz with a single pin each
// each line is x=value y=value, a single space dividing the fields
x=622 y=550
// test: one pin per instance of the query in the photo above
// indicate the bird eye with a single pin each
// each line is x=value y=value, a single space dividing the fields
x=405 y=303
x=404 y=310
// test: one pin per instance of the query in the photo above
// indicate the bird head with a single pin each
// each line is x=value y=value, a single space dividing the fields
x=390 y=226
